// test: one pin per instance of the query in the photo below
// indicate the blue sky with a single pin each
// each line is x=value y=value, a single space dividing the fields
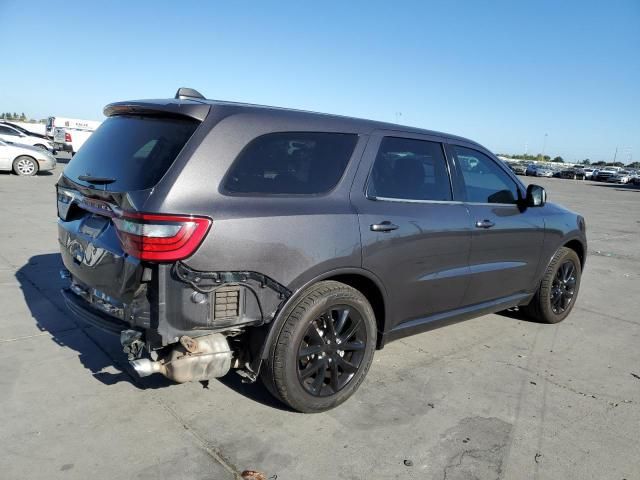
x=503 y=73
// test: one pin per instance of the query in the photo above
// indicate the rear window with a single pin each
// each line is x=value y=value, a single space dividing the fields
x=136 y=151
x=298 y=163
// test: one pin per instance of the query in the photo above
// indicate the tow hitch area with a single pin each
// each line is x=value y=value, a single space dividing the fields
x=192 y=359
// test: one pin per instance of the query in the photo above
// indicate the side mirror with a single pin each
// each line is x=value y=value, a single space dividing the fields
x=536 y=196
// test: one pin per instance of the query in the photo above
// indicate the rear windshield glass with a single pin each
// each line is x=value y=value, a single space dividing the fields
x=135 y=151
x=298 y=163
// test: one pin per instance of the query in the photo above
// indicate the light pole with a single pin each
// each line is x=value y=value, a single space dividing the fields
x=544 y=144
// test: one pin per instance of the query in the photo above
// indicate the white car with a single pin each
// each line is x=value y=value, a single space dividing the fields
x=620 y=177
x=24 y=159
x=11 y=134
x=544 y=172
x=588 y=173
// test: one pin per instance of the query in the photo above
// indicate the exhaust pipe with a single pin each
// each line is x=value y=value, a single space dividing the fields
x=145 y=367
x=191 y=360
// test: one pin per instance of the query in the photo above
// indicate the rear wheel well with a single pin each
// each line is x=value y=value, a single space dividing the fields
x=577 y=247
x=371 y=291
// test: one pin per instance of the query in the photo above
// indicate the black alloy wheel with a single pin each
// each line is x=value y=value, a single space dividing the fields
x=324 y=347
x=563 y=288
x=558 y=290
x=331 y=350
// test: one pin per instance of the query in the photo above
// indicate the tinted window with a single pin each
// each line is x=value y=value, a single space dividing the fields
x=136 y=151
x=485 y=181
x=291 y=163
x=411 y=170
x=7 y=131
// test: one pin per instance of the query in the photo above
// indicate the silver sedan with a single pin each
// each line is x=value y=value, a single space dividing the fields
x=25 y=159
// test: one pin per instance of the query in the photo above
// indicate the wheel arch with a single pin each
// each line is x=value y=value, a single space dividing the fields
x=578 y=247
x=35 y=160
x=372 y=291
x=24 y=155
x=362 y=280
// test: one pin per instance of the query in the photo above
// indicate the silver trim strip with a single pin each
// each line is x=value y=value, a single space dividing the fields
x=452 y=202
x=410 y=200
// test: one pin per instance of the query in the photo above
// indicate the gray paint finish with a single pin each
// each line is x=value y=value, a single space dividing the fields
x=436 y=265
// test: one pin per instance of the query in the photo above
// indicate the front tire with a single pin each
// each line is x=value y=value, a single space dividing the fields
x=324 y=349
x=558 y=289
x=25 y=166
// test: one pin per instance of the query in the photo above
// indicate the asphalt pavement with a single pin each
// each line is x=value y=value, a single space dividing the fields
x=494 y=397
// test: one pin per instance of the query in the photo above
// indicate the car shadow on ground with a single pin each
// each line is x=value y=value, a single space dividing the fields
x=517 y=314
x=99 y=352
x=628 y=187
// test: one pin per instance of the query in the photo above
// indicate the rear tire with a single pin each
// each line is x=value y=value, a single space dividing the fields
x=25 y=166
x=558 y=289
x=324 y=348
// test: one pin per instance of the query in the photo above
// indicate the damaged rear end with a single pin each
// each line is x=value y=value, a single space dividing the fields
x=127 y=262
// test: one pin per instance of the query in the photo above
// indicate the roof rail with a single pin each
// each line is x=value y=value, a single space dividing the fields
x=184 y=92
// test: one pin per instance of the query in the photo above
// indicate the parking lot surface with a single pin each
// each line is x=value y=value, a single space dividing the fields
x=494 y=397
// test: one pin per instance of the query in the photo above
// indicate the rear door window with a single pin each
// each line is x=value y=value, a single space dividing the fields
x=291 y=163
x=136 y=151
x=409 y=169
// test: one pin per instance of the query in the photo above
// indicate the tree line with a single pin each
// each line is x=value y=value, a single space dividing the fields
x=15 y=117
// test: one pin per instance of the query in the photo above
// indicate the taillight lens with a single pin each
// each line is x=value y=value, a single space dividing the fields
x=67 y=137
x=160 y=238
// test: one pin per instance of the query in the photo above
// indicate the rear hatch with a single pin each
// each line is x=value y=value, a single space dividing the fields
x=104 y=239
x=59 y=135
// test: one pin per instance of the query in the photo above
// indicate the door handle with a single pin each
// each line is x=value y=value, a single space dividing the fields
x=385 y=226
x=484 y=223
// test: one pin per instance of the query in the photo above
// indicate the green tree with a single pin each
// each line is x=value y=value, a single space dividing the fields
x=15 y=116
x=586 y=161
x=600 y=163
x=23 y=117
x=558 y=160
x=634 y=165
x=546 y=158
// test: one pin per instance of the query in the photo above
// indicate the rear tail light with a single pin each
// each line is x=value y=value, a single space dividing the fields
x=67 y=137
x=160 y=238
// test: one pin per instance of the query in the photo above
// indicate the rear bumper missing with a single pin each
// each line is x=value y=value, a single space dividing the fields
x=83 y=311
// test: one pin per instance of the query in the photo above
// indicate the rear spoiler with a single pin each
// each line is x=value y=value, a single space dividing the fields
x=186 y=108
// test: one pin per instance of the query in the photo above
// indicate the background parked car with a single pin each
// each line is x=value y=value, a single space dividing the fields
x=544 y=172
x=588 y=173
x=518 y=168
x=12 y=134
x=25 y=160
x=531 y=170
x=621 y=177
x=604 y=173
x=572 y=173
x=22 y=129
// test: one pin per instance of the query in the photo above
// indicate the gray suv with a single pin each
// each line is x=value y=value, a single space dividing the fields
x=290 y=245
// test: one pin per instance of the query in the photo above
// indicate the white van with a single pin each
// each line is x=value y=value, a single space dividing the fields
x=69 y=134
x=71 y=123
